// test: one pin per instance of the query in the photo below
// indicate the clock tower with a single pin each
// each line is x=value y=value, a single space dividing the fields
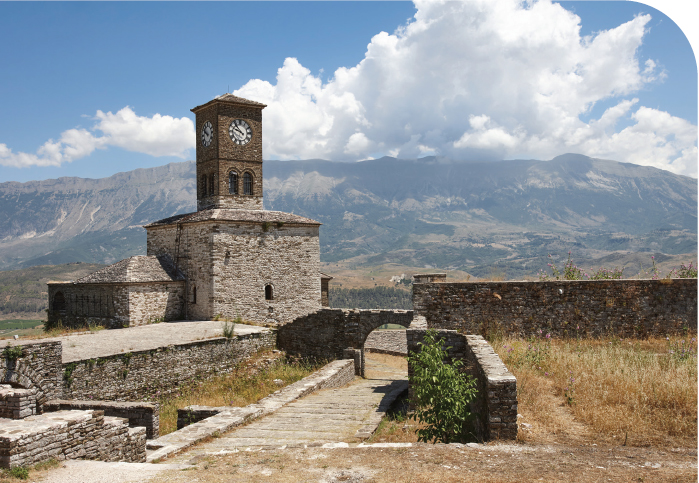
x=229 y=153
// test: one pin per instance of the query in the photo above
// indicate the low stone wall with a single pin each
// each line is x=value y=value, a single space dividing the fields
x=138 y=414
x=38 y=366
x=134 y=376
x=69 y=435
x=590 y=308
x=392 y=342
x=17 y=403
x=328 y=332
x=199 y=422
x=495 y=405
x=334 y=374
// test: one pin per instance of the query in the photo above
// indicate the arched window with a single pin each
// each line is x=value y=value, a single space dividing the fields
x=59 y=301
x=233 y=183
x=247 y=184
x=269 y=292
x=194 y=294
x=212 y=184
x=203 y=185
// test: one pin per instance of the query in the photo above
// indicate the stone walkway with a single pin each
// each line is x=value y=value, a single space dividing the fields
x=103 y=343
x=348 y=414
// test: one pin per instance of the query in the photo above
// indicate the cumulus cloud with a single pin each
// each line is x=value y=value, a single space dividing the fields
x=157 y=135
x=477 y=80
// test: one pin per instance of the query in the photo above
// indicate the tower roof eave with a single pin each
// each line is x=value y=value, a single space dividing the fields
x=230 y=99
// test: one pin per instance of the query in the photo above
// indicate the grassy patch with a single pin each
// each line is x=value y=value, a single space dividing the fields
x=248 y=383
x=624 y=391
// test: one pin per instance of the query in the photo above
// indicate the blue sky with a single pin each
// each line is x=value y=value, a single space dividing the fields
x=91 y=89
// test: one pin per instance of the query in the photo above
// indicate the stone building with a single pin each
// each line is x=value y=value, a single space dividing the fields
x=230 y=258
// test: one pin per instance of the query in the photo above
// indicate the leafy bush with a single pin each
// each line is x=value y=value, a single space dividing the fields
x=685 y=271
x=228 y=329
x=570 y=272
x=442 y=394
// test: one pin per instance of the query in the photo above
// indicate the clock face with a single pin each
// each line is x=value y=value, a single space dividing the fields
x=207 y=134
x=240 y=132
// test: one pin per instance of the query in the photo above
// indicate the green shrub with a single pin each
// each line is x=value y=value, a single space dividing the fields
x=442 y=394
x=228 y=329
x=19 y=472
x=12 y=353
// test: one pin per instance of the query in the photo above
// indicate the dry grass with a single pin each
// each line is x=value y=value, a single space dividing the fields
x=248 y=383
x=427 y=463
x=634 y=392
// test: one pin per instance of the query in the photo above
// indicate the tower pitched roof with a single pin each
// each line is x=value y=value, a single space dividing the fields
x=231 y=99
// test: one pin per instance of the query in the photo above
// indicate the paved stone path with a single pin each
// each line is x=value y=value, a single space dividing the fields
x=103 y=343
x=349 y=414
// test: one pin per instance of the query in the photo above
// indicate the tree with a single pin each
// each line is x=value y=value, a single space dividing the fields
x=442 y=394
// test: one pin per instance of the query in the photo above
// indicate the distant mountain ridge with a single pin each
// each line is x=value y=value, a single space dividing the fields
x=424 y=212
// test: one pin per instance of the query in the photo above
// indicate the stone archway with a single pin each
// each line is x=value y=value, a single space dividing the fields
x=39 y=367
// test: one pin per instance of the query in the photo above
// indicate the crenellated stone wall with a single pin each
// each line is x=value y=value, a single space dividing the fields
x=626 y=308
x=495 y=406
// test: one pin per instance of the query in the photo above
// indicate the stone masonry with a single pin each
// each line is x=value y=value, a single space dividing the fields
x=38 y=367
x=17 y=403
x=135 y=291
x=138 y=414
x=626 y=308
x=495 y=405
x=133 y=376
x=393 y=342
x=231 y=256
x=69 y=435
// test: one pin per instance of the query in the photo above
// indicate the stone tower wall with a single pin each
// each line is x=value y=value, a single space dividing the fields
x=223 y=155
x=247 y=257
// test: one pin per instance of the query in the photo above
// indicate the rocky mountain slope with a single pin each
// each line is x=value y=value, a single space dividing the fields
x=418 y=213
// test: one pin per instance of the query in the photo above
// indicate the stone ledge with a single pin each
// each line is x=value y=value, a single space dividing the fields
x=335 y=374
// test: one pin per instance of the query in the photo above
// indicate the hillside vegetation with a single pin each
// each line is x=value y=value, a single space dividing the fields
x=23 y=293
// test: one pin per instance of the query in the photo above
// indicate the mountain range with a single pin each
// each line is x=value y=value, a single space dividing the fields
x=426 y=212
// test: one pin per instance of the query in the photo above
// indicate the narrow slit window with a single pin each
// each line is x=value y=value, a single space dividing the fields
x=203 y=185
x=194 y=295
x=269 y=294
x=212 y=184
x=233 y=183
x=247 y=184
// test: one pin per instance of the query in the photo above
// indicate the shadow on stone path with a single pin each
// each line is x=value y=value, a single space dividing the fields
x=348 y=414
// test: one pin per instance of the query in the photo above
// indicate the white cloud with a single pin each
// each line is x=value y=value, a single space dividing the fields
x=479 y=79
x=158 y=136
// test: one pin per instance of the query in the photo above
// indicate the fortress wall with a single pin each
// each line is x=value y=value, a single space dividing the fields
x=495 y=406
x=135 y=376
x=392 y=342
x=625 y=308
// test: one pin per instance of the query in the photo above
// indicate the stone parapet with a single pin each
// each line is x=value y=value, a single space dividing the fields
x=198 y=422
x=17 y=403
x=69 y=435
x=132 y=376
x=589 y=308
x=138 y=414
